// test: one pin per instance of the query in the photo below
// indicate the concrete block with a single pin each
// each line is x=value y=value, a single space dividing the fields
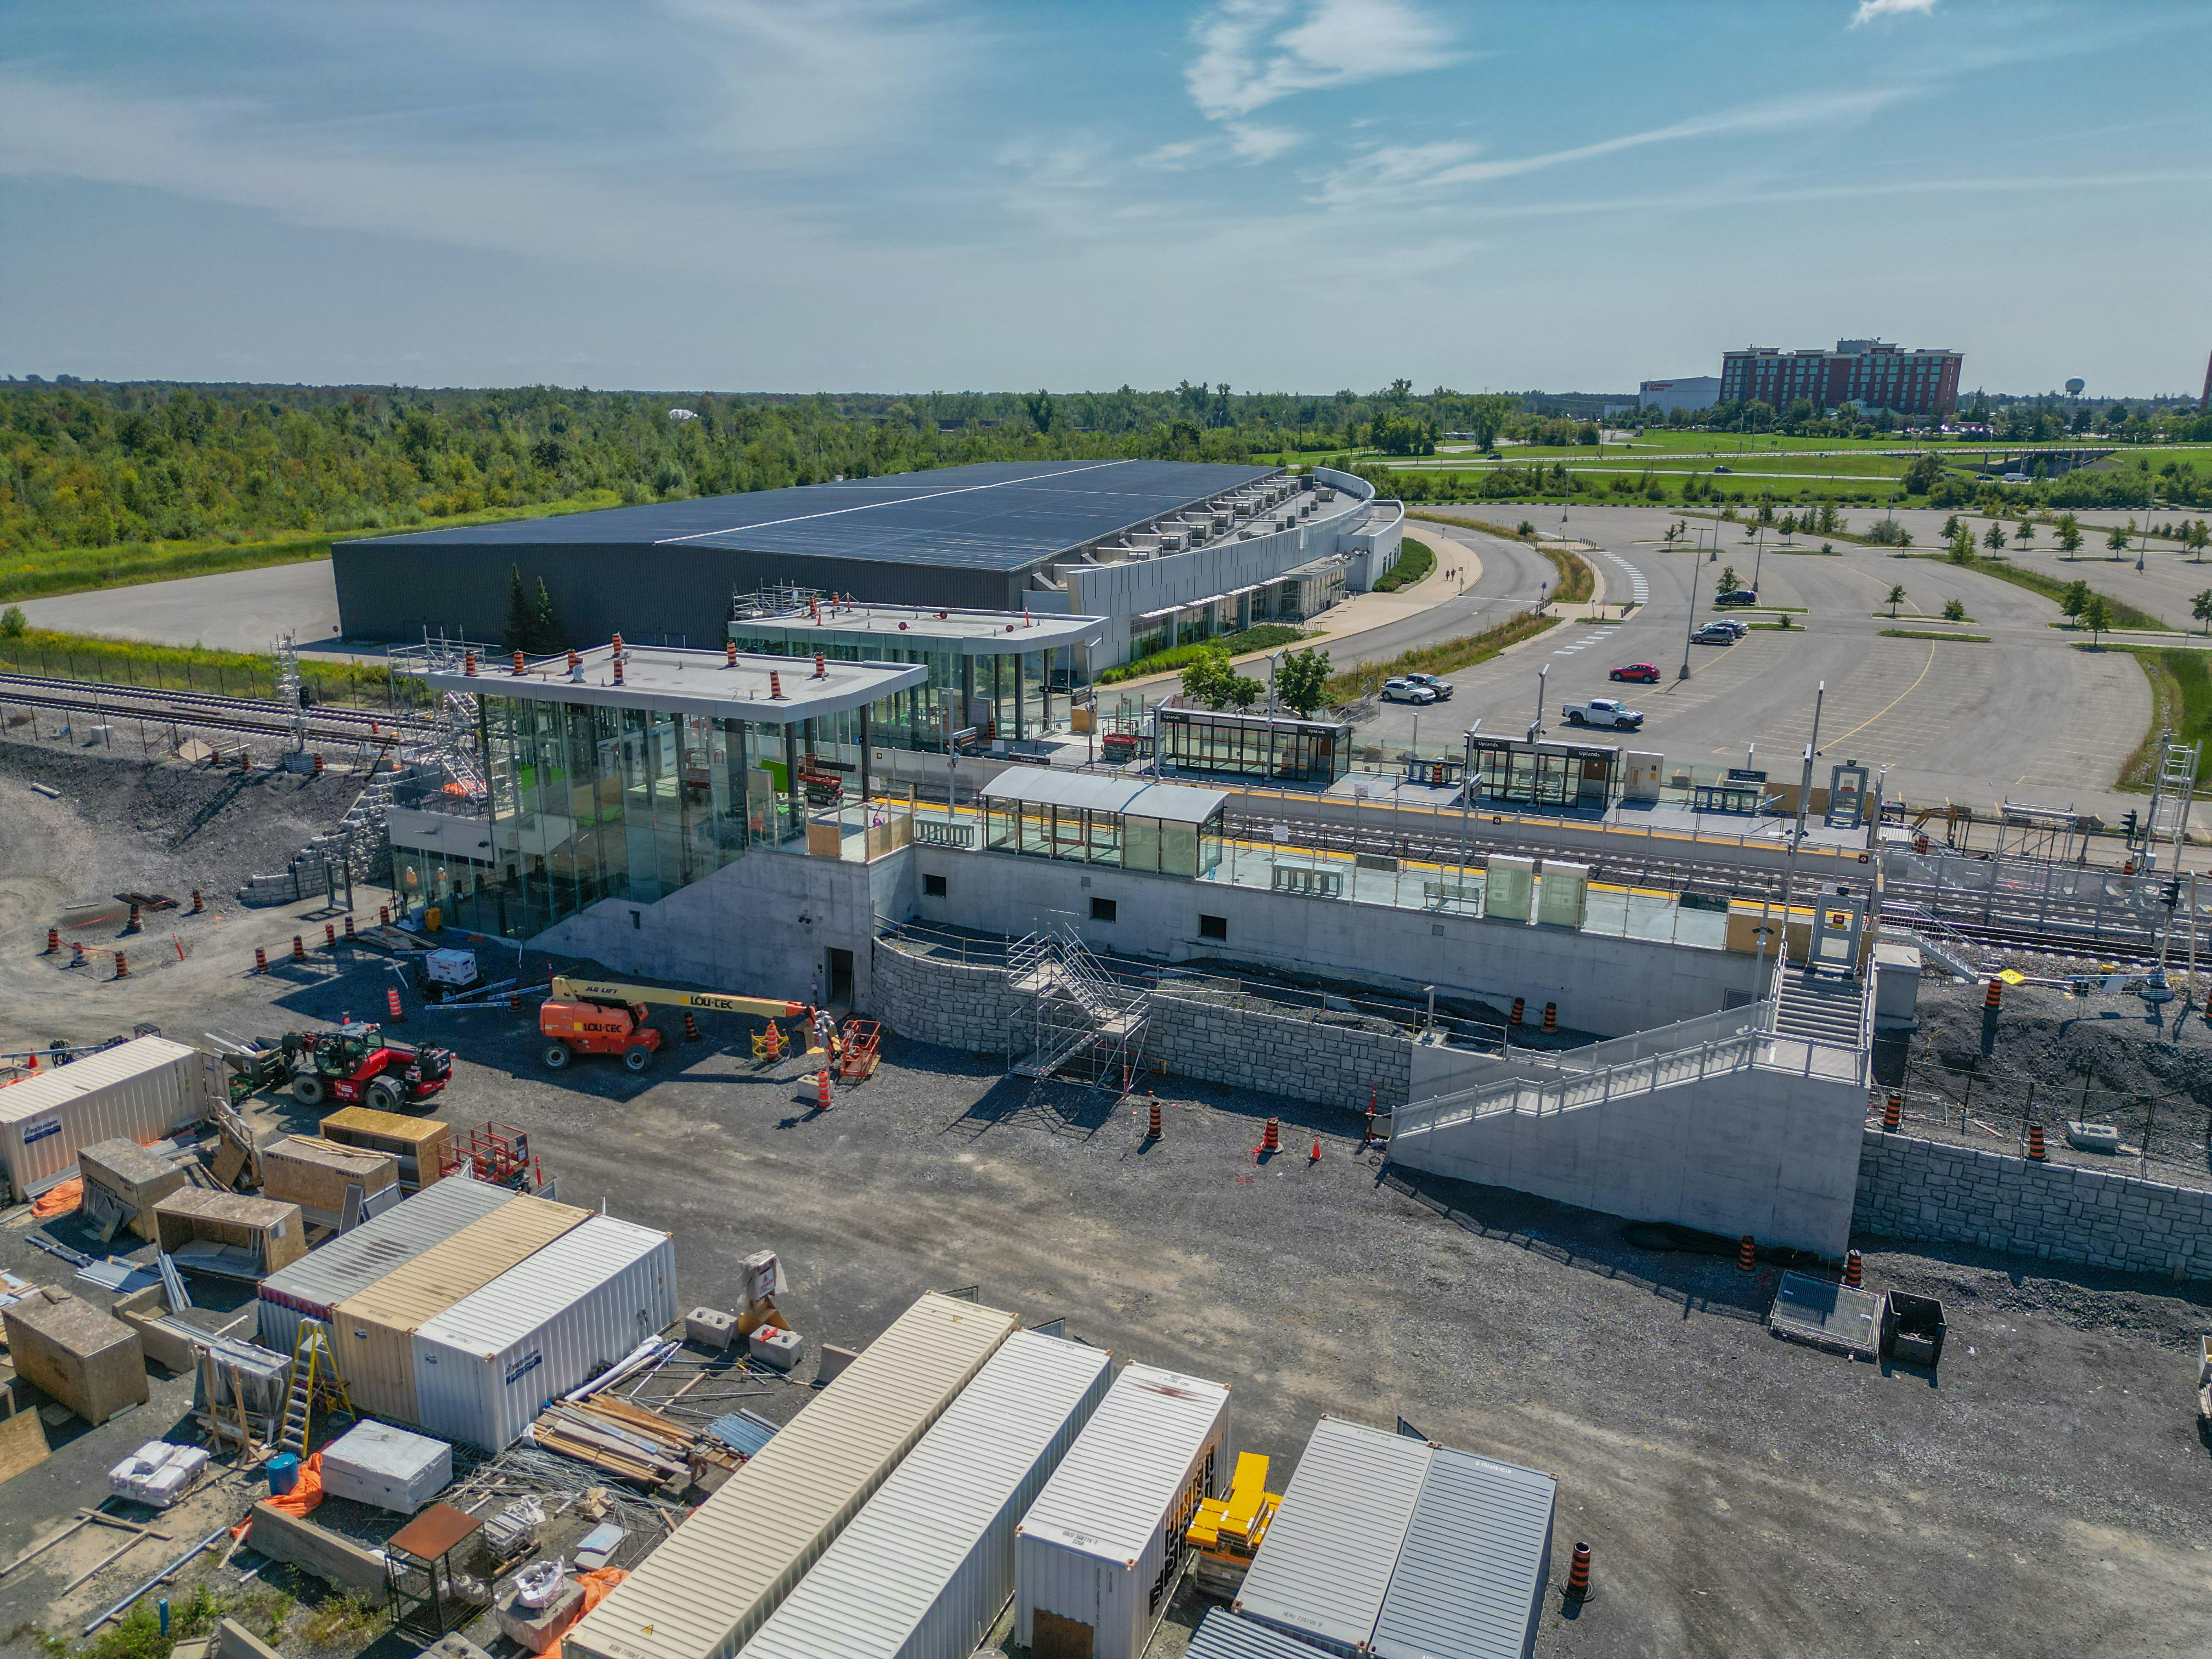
x=300 y=1542
x=233 y=1641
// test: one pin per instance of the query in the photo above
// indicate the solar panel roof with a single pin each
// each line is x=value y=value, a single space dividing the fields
x=994 y=515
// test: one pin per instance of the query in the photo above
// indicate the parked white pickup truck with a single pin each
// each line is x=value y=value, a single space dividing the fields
x=1605 y=711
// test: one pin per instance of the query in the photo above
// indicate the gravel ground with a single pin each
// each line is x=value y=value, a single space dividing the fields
x=2147 y=1068
x=2045 y=1495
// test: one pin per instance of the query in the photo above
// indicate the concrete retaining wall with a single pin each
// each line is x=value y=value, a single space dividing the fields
x=952 y=1004
x=1925 y=1189
x=1297 y=1058
x=337 y=1561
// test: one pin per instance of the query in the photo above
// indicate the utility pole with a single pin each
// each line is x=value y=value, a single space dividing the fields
x=1536 y=727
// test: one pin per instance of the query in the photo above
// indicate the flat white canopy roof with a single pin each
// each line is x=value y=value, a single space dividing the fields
x=1137 y=798
x=972 y=633
x=693 y=683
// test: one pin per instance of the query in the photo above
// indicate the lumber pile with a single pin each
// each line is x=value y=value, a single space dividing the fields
x=628 y=1441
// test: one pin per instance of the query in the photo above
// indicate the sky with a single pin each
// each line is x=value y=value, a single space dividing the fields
x=915 y=195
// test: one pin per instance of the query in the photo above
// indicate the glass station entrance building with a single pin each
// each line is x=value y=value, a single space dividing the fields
x=634 y=780
x=994 y=675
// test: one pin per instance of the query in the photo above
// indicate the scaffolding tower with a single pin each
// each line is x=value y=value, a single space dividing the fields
x=1088 y=1027
x=2171 y=790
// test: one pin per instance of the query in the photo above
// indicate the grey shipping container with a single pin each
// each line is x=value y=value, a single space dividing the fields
x=1222 y=1635
x=1469 y=1581
x=351 y=1263
x=1325 y=1564
x=1094 y=1555
x=925 y=1565
x=1402 y=1549
x=142 y=1091
x=486 y=1366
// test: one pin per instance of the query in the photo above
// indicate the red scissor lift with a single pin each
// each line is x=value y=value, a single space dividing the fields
x=498 y=1154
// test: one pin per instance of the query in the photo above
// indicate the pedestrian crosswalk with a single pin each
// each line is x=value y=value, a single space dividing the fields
x=1639 y=590
x=1587 y=639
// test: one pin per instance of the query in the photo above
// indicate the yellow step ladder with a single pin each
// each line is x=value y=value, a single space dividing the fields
x=315 y=1377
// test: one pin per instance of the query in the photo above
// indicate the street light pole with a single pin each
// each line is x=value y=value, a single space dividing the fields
x=1804 y=796
x=1543 y=675
x=1691 y=626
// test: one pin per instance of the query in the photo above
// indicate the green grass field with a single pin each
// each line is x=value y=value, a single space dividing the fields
x=51 y=654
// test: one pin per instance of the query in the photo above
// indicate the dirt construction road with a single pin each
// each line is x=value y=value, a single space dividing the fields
x=2047 y=1495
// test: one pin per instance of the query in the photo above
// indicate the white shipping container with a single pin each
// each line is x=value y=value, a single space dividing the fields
x=925 y=1567
x=142 y=1090
x=703 y=1593
x=486 y=1366
x=1094 y=1556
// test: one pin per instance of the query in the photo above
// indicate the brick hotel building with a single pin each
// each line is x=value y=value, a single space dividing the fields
x=1868 y=373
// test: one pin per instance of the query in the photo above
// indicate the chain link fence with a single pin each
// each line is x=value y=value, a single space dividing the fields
x=2162 y=1136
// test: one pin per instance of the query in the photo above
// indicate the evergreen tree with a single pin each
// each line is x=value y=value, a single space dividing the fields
x=518 y=610
x=546 y=634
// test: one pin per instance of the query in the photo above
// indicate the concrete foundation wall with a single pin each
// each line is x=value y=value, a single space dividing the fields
x=1603 y=985
x=762 y=927
x=1911 y=1188
x=952 y=1004
x=1767 y=1153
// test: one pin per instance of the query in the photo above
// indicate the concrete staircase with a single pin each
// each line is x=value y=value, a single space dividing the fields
x=1820 y=1008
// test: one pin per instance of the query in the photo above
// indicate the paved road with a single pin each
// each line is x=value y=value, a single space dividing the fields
x=237 y=611
x=2023 y=717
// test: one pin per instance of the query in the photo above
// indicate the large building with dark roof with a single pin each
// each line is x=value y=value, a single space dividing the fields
x=1163 y=549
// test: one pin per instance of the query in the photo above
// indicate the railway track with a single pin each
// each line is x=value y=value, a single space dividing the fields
x=211 y=711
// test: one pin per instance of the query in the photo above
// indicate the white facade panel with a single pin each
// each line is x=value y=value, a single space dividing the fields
x=704 y=1592
x=1099 y=1546
x=142 y=1091
x=925 y=1567
x=486 y=1366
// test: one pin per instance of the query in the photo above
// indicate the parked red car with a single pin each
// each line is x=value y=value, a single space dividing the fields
x=1637 y=671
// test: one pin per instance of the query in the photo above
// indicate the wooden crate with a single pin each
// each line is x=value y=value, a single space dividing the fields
x=420 y=1144
x=314 y=1175
x=273 y=1231
x=88 y=1361
x=135 y=1176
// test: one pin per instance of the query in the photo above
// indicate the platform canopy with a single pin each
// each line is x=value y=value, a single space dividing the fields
x=1170 y=803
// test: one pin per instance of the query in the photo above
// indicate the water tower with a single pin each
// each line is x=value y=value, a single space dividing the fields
x=2074 y=387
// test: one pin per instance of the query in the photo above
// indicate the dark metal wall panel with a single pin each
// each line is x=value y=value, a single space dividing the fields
x=391 y=590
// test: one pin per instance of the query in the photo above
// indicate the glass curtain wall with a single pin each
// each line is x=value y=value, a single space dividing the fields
x=590 y=803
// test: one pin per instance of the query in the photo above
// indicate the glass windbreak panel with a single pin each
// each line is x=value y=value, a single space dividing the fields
x=1033 y=689
x=1209 y=841
x=1178 y=849
x=1037 y=829
x=1105 y=837
x=1004 y=818
x=1067 y=833
x=1141 y=843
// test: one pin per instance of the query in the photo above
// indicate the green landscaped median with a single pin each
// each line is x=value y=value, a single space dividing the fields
x=1415 y=561
x=2181 y=702
x=1932 y=633
x=1453 y=655
x=1578 y=582
x=1265 y=637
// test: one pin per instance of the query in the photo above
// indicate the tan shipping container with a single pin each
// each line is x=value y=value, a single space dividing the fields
x=315 y=1173
x=420 y=1144
x=272 y=1231
x=374 y=1331
x=92 y=1363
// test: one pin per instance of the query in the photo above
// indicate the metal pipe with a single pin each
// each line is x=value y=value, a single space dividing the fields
x=165 y=1574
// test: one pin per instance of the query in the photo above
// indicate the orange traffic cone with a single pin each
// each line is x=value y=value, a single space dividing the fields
x=53 y=941
x=2035 y=1152
x=1578 y=1574
x=1153 y=1132
x=690 y=1027
x=329 y=936
x=1853 y=1272
x=1995 y=995
x=122 y=966
x=1893 y=1112
x=821 y=1089
x=299 y=949
x=1272 y=1142
x=394 y=1011
x=1314 y=1157
x=1746 y=1254
x=260 y=960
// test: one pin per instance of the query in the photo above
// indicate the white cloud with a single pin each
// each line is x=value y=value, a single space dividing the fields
x=1257 y=143
x=1870 y=9
x=1251 y=52
x=1399 y=172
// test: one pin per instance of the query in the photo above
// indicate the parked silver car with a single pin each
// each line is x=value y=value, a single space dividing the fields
x=1407 y=690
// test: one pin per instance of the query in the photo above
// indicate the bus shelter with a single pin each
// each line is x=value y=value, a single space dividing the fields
x=1543 y=774
x=1276 y=748
x=1129 y=823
